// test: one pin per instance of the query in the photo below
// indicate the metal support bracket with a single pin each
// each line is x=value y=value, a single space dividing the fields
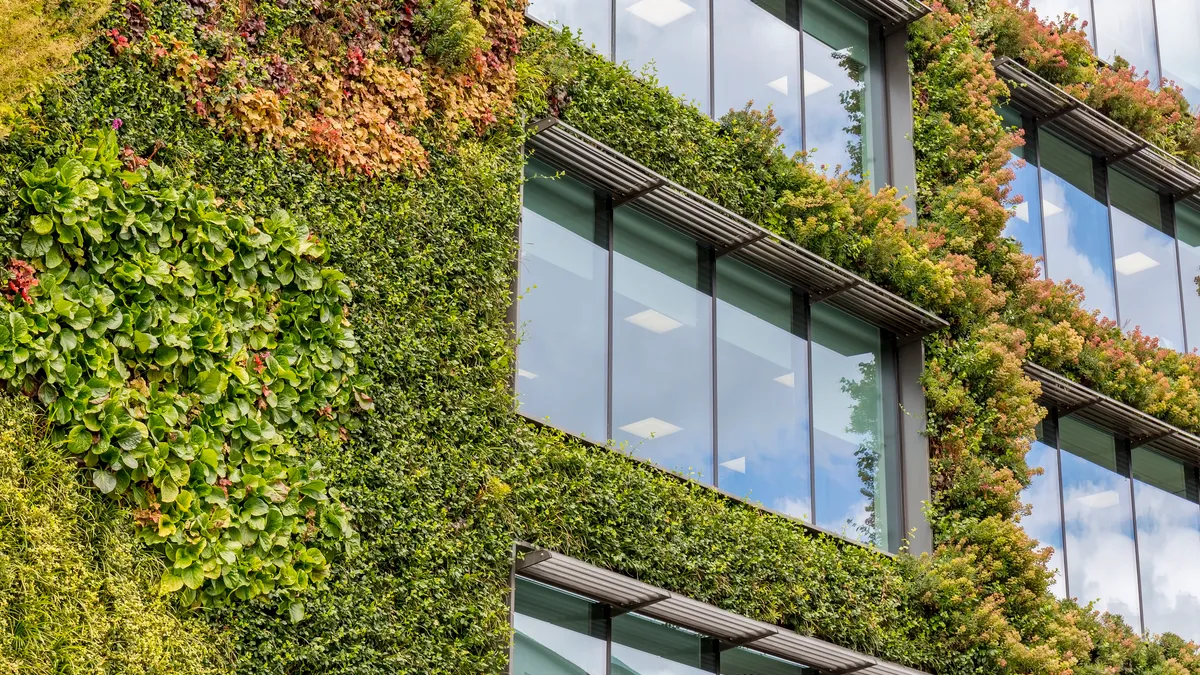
x=1076 y=408
x=541 y=125
x=724 y=645
x=1044 y=119
x=825 y=295
x=741 y=244
x=1139 y=442
x=849 y=669
x=638 y=193
x=618 y=610
x=1122 y=156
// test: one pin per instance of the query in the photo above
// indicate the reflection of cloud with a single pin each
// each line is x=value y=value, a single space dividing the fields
x=585 y=652
x=1100 y=547
x=1169 y=541
x=1044 y=523
x=1065 y=260
x=798 y=508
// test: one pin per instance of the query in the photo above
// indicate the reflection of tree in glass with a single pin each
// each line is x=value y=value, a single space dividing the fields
x=864 y=422
x=853 y=101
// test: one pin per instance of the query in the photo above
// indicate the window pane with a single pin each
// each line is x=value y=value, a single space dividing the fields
x=1147 y=280
x=1168 y=527
x=674 y=35
x=1025 y=224
x=848 y=422
x=662 y=345
x=1125 y=28
x=742 y=661
x=837 y=97
x=1044 y=523
x=1178 y=26
x=762 y=391
x=591 y=17
x=643 y=646
x=1078 y=247
x=562 y=359
x=758 y=58
x=557 y=633
x=1101 y=561
x=1187 y=231
x=1055 y=9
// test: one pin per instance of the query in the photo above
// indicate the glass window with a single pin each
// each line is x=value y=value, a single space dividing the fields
x=1044 y=522
x=1025 y=223
x=838 y=101
x=851 y=465
x=1101 y=558
x=757 y=58
x=662 y=345
x=762 y=390
x=1168 y=526
x=674 y=35
x=562 y=360
x=592 y=18
x=1187 y=232
x=1078 y=244
x=1125 y=28
x=1178 y=26
x=1147 y=279
x=643 y=646
x=742 y=661
x=1055 y=9
x=557 y=633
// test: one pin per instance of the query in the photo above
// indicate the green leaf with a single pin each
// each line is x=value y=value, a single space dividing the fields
x=170 y=582
x=168 y=490
x=256 y=507
x=296 y=612
x=79 y=441
x=35 y=245
x=104 y=480
x=193 y=576
x=128 y=438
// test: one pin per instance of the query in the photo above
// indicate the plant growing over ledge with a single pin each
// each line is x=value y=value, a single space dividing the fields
x=180 y=353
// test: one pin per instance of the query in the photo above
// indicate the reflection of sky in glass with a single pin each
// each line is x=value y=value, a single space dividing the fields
x=662 y=354
x=1147 y=279
x=592 y=17
x=1078 y=245
x=835 y=96
x=645 y=647
x=1045 y=521
x=674 y=35
x=848 y=426
x=1055 y=9
x=1126 y=28
x=553 y=633
x=1179 y=48
x=757 y=57
x=1101 y=561
x=1169 y=542
x=1187 y=230
x=562 y=359
x=762 y=392
x=1025 y=223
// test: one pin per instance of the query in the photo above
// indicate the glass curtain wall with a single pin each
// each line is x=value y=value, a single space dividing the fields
x=558 y=633
x=1124 y=524
x=1057 y=9
x=1179 y=50
x=1187 y=232
x=757 y=356
x=1125 y=28
x=813 y=62
x=1025 y=223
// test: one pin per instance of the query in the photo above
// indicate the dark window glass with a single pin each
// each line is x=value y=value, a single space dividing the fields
x=1168 y=525
x=742 y=661
x=562 y=359
x=674 y=35
x=1178 y=26
x=839 y=101
x=1125 y=28
x=557 y=633
x=762 y=383
x=662 y=345
x=592 y=18
x=1187 y=231
x=643 y=646
x=1056 y=9
x=1044 y=522
x=1025 y=223
x=851 y=461
x=1101 y=560
x=1078 y=244
x=757 y=58
x=1147 y=279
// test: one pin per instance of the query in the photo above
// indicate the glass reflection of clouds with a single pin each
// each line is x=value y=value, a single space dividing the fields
x=1168 y=525
x=1056 y=9
x=642 y=646
x=762 y=390
x=1101 y=557
x=556 y=633
x=1044 y=522
x=1187 y=232
x=836 y=95
x=1025 y=223
x=662 y=354
x=1078 y=244
x=592 y=18
x=1178 y=26
x=674 y=35
x=1125 y=28
x=757 y=58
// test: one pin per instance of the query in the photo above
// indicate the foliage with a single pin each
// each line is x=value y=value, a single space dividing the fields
x=178 y=352
x=74 y=581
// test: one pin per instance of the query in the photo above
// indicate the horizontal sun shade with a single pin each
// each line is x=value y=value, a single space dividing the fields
x=731 y=629
x=1094 y=132
x=1072 y=398
x=630 y=183
x=892 y=14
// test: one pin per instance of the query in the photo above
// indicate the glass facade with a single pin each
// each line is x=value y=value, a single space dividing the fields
x=813 y=62
x=634 y=332
x=1025 y=223
x=1124 y=523
x=558 y=633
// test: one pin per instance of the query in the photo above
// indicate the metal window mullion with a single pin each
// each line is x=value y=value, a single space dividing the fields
x=812 y=426
x=712 y=60
x=608 y=218
x=1062 y=509
x=711 y=262
x=608 y=640
x=1124 y=450
x=1157 y=44
x=1168 y=211
x=1033 y=137
x=1104 y=172
x=803 y=77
